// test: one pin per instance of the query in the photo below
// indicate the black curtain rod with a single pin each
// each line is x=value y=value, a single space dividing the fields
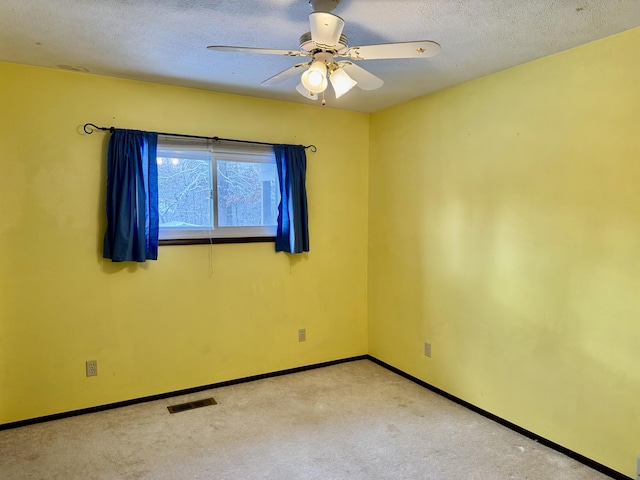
x=89 y=128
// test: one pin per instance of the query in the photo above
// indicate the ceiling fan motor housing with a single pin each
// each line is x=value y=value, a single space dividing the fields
x=308 y=45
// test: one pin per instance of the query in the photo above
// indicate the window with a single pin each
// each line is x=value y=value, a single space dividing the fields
x=208 y=190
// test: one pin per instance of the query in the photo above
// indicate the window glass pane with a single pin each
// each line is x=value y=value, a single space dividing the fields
x=247 y=193
x=184 y=191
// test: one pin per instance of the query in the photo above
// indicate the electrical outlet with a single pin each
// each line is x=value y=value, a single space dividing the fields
x=302 y=335
x=427 y=349
x=92 y=368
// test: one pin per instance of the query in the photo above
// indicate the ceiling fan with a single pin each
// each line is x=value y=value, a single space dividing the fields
x=324 y=44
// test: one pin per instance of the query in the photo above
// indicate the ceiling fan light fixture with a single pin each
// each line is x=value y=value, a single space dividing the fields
x=315 y=78
x=341 y=82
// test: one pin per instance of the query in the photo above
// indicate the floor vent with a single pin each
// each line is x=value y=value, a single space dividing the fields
x=191 y=405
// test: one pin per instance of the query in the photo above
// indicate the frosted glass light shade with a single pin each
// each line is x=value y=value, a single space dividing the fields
x=306 y=93
x=341 y=82
x=315 y=78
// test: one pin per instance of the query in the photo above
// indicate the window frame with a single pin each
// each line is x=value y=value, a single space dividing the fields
x=223 y=151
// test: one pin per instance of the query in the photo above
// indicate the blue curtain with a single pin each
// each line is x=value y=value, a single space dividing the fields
x=132 y=197
x=293 y=229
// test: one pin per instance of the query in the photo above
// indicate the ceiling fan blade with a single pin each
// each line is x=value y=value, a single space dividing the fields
x=283 y=75
x=366 y=80
x=268 y=51
x=420 y=49
x=326 y=29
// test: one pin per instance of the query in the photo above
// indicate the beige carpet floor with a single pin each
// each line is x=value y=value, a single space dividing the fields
x=354 y=420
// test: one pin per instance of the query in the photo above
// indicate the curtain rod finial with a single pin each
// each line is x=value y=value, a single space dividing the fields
x=89 y=128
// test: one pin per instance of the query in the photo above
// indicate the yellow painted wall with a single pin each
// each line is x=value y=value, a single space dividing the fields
x=165 y=325
x=504 y=228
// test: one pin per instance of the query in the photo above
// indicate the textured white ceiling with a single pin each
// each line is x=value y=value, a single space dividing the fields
x=165 y=41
